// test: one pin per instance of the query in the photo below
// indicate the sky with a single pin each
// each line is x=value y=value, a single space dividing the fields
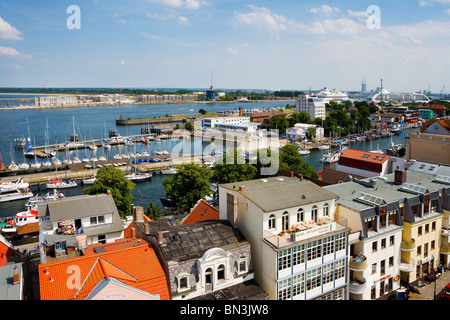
x=260 y=44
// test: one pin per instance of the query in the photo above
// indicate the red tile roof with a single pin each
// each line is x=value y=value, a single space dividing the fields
x=132 y=263
x=365 y=156
x=202 y=211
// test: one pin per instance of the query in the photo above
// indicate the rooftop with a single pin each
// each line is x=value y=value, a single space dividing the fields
x=277 y=193
x=366 y=156
x=190 y=241
x=129 y=263
x=202 y=211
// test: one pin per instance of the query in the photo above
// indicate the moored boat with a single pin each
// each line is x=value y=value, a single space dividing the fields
x=56 y=183
x=138 y=176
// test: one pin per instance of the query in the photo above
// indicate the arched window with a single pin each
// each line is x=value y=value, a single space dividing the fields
x=326 y=210
x=314 y=213
x=272 y=224
x=300 y=215
x=221 y=272
x=285 y=221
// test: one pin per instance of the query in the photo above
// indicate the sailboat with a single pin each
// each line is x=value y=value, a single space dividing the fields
x=29 y=151
x=137 y=176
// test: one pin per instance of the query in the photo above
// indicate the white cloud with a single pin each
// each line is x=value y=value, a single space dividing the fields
x=122 y=62
x=11 y=52
x=188 y=4
x=341 y=26
x=324 y=10
x=233 y=50
x=264 y=18
x=171 y=16
x=13 y=66
x=7 y=31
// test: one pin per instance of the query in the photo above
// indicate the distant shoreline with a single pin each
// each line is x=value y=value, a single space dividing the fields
x=32 y=107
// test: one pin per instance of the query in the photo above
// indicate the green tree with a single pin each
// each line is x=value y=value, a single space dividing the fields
x=235 y=170
x=311 y=133
x=291 y=160
x=202 y=111
x=188 y=126
x=280 y=123
x=187 y=186
x=152 y=211
x=113 y=179
x=267 y=158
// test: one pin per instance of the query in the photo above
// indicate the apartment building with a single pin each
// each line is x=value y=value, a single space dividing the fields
x=313 y=105
x=299 y=251
x=395 y=224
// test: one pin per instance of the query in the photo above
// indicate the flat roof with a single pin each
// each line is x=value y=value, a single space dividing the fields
x=366 y=156
x=277 y=193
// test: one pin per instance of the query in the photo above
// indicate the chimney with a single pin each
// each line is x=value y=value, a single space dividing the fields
x=400 y=176
x=292 y=174
x=108 y=192
x=160 y=237
x=16 y=275
x=242 y=188
x=232 y=211
x=240 y=111
x=138 y=213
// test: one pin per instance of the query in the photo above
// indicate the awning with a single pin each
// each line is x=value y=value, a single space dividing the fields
x=66 y=223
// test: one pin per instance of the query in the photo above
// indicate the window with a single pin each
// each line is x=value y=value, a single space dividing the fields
x=339 y=269
x=374 y=268
x=300 y=215
x=328 y=245
x=298 y=255
x=391 y=262
x=327 y=273
x=314 y=213
x=101 y=238
x=326 y=210
x=221 y=272
x=242 y=266
x=284 y=259
x=382 y=267
x=285 y=221
x=392 y=217
x=314 y=250
x=391 y=240
x=383 y=215
x=427 y=228
x=183 y=283
x=426 y=203
x=97 y=220
x=370 y=223
x=374 y=246
x=416 y=209
x=419 y=250
x=313 y=279
x=434 y=204
x=272 y=222
x=340 y=242
x=298 y=284
x=419 y=231
x=433 y=226
x=383 y=243
x=425 y=250
x=284 y=289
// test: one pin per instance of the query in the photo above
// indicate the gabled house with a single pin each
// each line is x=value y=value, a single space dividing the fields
x=202 y=211
x=94 y=219
x=127 y=269
x=7 y=252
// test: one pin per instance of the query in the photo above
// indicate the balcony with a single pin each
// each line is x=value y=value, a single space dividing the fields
x=357 y=286
x=445 y=232
x=445 y=249
x=407 y=266
x=358 y=263
x=302 y=231
x=408 y=245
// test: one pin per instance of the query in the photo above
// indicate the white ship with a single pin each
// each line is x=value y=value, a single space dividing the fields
x=15 y=190
x=331 y=95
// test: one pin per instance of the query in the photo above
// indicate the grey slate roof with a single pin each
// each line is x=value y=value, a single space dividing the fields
x=190 y=241
x=8 y=290
x=278 y=193
x=82 y=207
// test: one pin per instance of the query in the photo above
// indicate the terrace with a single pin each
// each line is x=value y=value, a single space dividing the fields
x=303 y=230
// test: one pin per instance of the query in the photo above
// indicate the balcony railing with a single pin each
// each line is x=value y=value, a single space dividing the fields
x=302 y=231
x=408 y=245
x=445 y=249
x=357 y=286
x=358 y=263
x=407 y=266
x=445 y=232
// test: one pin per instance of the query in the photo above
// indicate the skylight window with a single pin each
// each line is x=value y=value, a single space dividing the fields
x=442 y=179
x=413 y=188
x=371 y=199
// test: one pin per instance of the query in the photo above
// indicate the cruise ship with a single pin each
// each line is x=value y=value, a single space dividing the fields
x=331 y=95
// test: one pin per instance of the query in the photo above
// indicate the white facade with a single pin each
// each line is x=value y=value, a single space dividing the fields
x=299 y=252
x=212 y=123
x=299 y=130
x=313 y=105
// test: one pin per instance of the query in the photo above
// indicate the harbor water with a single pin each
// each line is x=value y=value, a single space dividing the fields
x=55 y=126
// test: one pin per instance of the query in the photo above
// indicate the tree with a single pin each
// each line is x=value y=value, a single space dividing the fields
x=301 y=117
x=202 y=111
x=235 y=170
x=152 y=211
x=188 y=126
x=113 y=179
x=187 y=186
x=291 y=160
x=269 y=160
x=311 y=133
x=280 y=123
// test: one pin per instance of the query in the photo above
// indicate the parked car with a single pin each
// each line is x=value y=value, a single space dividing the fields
x=445 y=294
